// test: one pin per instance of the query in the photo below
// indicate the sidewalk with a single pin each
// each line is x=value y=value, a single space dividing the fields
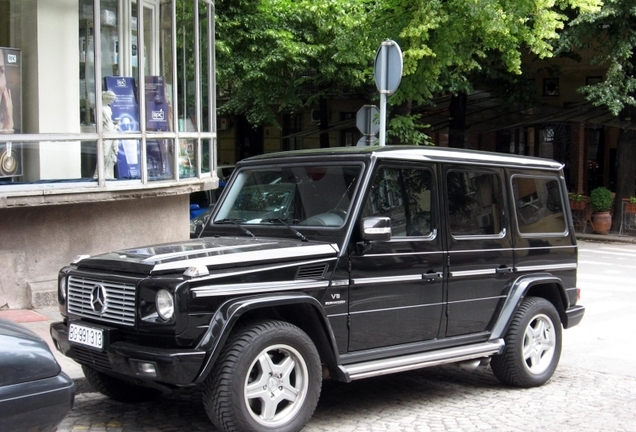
x=607 y=238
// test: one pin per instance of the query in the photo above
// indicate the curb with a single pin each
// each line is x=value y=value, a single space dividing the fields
x=606 y=238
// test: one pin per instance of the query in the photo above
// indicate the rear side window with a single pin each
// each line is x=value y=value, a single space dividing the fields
x=474 y=203
x=538 y=205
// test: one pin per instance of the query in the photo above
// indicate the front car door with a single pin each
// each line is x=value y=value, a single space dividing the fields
x=396 y=290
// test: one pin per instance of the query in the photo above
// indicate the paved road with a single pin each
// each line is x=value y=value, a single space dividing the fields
x=594 y=388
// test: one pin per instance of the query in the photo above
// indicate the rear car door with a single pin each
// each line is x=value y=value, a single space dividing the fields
x=480 y=258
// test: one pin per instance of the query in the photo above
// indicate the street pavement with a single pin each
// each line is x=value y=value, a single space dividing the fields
x=593 y=389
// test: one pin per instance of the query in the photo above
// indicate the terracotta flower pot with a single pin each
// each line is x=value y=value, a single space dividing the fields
x=577 y=205
x=630 y=207
x=601 y=222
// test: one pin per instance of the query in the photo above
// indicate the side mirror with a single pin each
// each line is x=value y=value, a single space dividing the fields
x=375 y=229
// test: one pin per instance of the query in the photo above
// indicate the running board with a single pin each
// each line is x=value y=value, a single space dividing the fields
x=421 y=360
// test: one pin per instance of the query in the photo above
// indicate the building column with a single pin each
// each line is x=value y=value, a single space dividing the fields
x=578 y=160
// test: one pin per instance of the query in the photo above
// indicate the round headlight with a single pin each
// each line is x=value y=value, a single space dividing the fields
x=62 y=289
x=165 y=304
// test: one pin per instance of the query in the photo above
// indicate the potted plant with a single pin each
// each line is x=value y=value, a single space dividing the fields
x=601 y=201
x=577 y=201
x=630 y=206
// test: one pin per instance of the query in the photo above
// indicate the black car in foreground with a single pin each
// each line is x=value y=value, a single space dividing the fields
x=35 y=395
x=342 y=264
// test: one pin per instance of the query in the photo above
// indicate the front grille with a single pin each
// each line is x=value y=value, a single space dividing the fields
x=119 y=300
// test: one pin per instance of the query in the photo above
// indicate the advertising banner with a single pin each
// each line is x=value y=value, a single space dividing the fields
x=125 y=113
x=10 y=110
x=157 y=119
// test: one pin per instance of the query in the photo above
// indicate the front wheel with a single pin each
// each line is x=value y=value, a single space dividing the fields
x=267 y=378
x=533 y=345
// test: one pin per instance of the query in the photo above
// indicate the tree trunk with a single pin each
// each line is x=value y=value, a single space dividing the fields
x=324 y=123
x=626 y=173
x=457 y=120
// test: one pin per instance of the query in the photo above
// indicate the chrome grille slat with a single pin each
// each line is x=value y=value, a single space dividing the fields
x=120 y=300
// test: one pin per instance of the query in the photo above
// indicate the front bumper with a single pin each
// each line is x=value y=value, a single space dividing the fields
x=175 y=367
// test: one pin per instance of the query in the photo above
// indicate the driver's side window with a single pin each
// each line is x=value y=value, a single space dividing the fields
x=405 y=196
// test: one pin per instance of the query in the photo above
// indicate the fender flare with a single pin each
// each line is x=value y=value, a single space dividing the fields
x=226 y=317
x=517 y=293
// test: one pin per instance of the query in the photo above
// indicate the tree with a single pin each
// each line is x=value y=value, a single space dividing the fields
x=447 y=42
x=286 y=54
x=611 y=33
x=271 y=51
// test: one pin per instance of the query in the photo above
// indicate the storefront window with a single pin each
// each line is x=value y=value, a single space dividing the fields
x=137 y=109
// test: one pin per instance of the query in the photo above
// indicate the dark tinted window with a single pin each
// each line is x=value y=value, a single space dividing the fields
x=474 y=203
x=404 y=195
x=538 y=205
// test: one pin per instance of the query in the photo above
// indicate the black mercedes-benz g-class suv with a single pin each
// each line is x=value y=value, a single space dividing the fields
x=340 y=264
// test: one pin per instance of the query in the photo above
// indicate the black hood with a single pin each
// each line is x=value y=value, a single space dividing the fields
x=209 y=251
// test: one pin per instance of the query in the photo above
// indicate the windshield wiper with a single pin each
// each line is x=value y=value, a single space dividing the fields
x=294 y=230
x=236 y=222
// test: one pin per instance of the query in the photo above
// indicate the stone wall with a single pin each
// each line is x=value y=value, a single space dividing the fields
x=35 y=242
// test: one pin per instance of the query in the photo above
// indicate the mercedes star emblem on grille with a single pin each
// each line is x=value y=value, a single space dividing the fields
x=98 y=299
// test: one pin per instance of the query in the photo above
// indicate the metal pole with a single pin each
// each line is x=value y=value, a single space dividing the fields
x=383 y=79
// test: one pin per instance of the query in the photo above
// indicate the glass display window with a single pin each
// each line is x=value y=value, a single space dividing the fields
x=139 y=108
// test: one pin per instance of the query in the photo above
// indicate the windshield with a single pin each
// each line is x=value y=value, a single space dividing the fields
x=307 y=195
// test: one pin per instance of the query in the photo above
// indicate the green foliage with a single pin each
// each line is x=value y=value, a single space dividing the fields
x=282 y=55
x=576 y=197
x=445 y=42
x=611 y=33
x=601 y=199
x=288 y=53
x=408 y=130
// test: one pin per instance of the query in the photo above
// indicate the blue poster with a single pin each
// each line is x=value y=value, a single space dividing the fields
x=157 y=108
x=125 y=113
x=157 y=119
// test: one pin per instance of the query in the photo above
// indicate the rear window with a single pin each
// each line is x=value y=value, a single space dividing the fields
x=538 y=205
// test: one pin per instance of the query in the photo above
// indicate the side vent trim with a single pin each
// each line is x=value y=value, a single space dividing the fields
x=316 y=271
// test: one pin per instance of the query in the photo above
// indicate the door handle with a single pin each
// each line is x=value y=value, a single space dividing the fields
x=430 y=277
x=504 y=270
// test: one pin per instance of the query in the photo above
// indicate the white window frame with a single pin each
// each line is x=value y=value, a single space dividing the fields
x=23 y=194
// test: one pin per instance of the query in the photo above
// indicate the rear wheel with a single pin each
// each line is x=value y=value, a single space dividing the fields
x=117 y=389
x=533 y=345
x=267 y=378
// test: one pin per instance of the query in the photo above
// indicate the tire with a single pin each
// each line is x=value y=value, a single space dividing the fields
x=117 y=389
x=267 y=378
x=533 y=345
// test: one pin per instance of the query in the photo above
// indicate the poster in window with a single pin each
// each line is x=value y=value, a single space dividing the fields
x=125 y=112
x=157 y=119
x=10 y=111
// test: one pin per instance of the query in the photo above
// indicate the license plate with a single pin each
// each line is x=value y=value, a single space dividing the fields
x=88 y=336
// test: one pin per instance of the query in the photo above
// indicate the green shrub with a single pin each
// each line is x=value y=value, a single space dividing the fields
x=601 y=199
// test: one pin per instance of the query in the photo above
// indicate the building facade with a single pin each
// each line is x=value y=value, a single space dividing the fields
x=107 y=124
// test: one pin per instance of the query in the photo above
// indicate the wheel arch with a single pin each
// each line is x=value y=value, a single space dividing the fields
x=298 y=309
x=546 y=286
